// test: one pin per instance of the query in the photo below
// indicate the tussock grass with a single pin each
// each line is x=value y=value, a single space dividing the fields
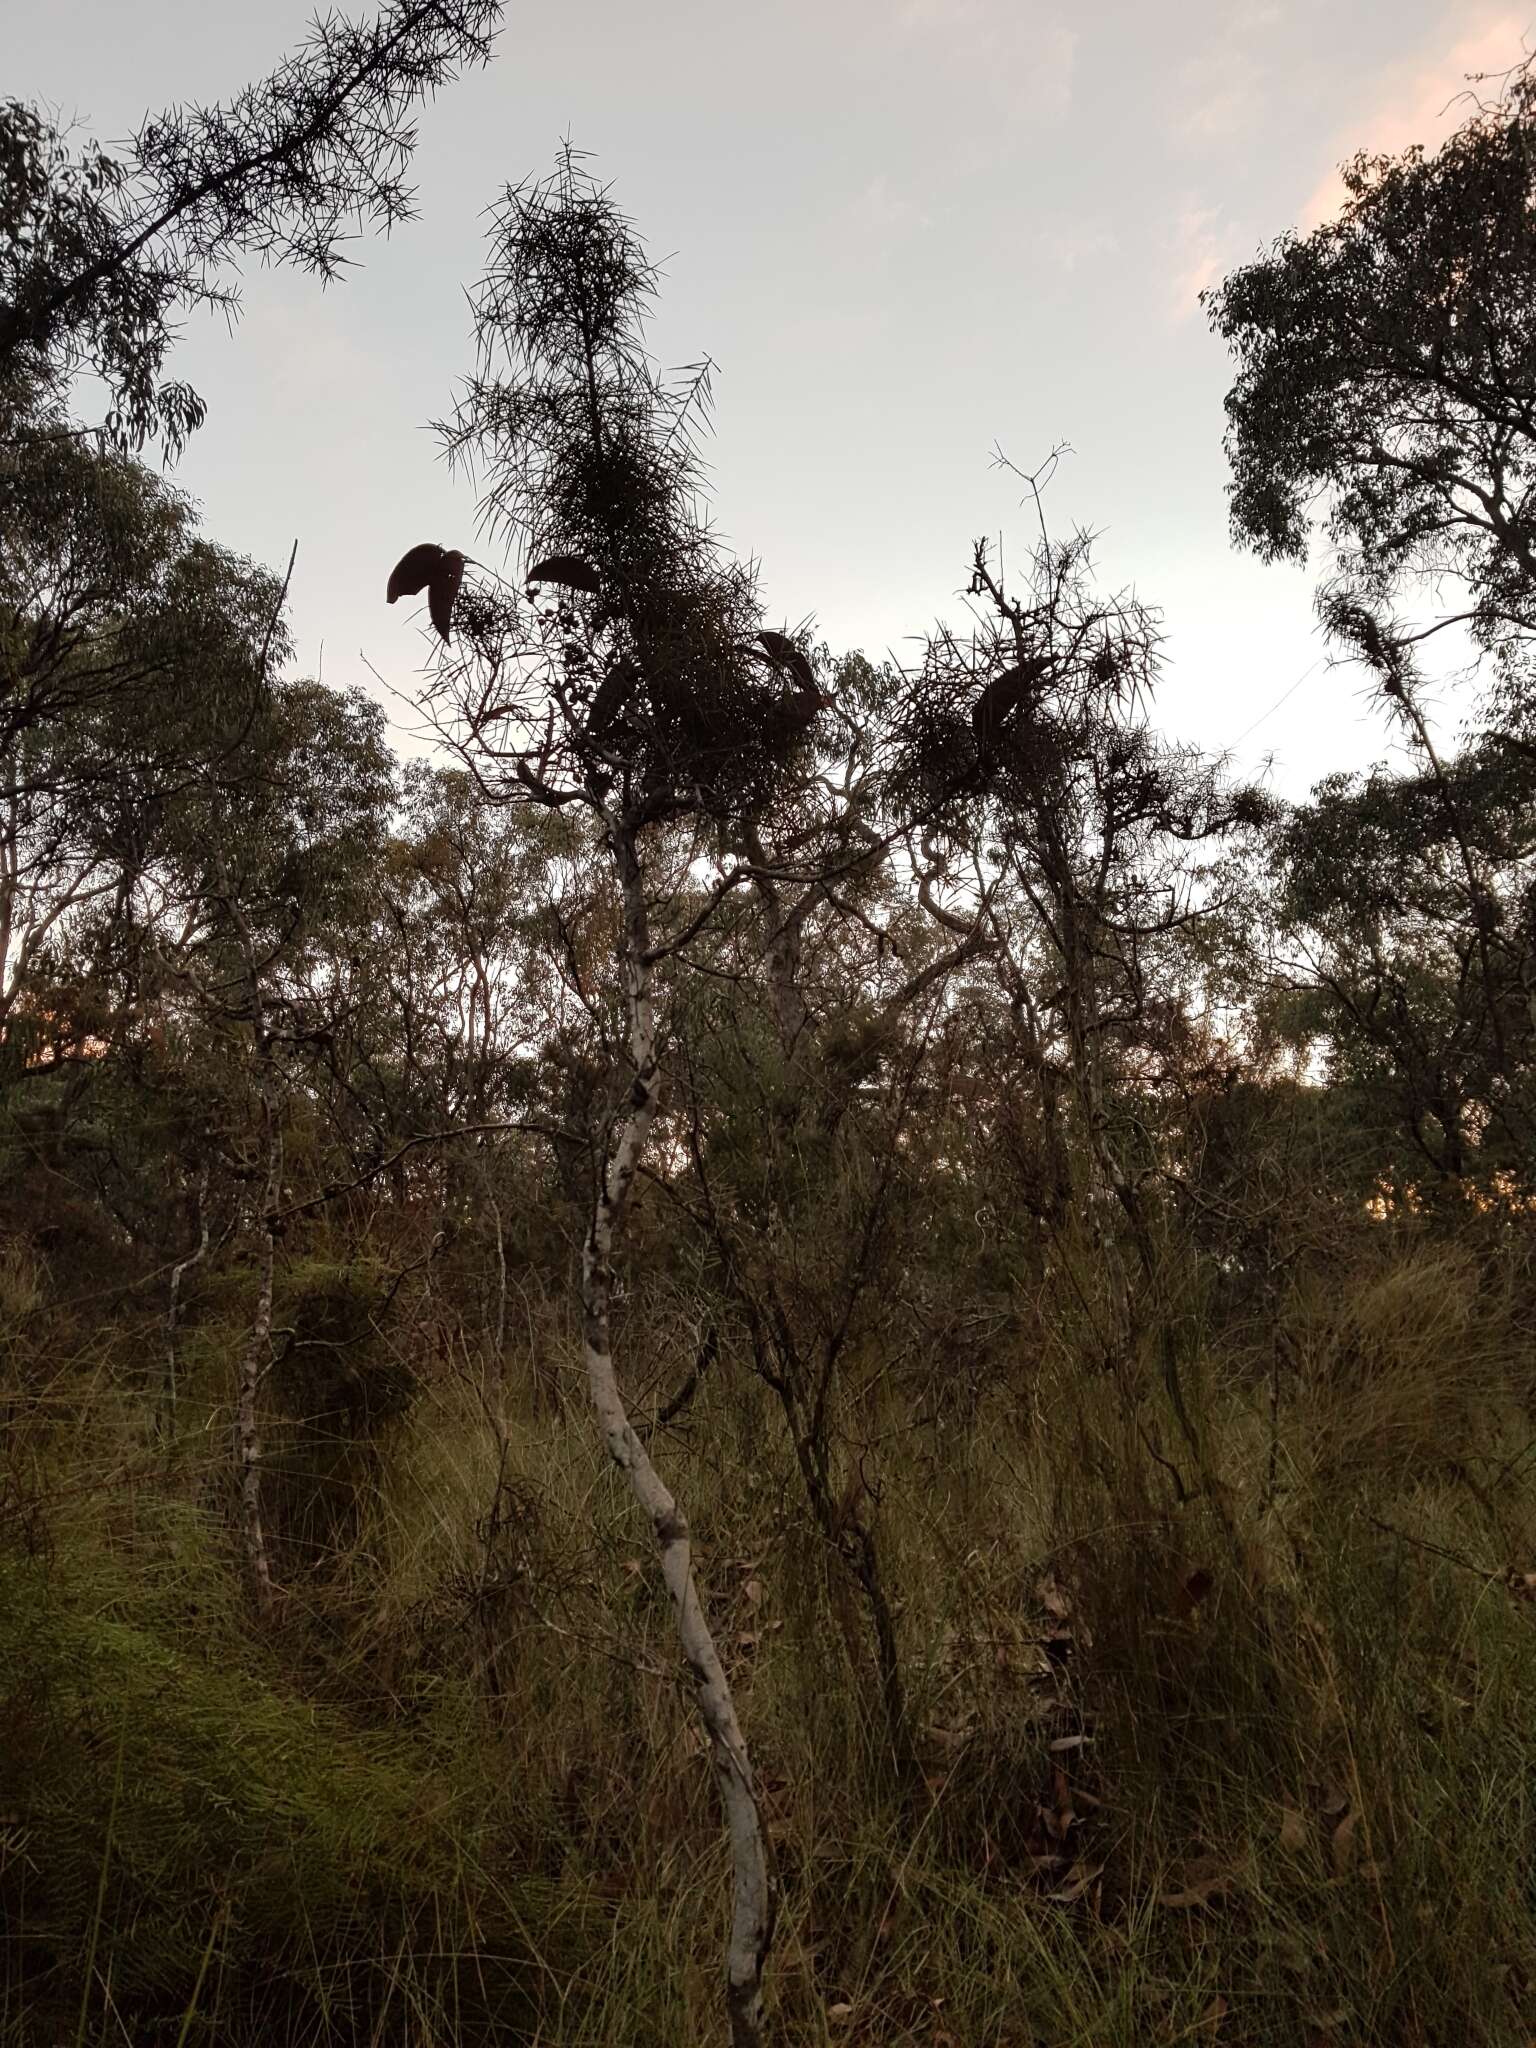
x=1252 y=1766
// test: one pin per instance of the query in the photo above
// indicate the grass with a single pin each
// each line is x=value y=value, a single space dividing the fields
x=1251 y=1769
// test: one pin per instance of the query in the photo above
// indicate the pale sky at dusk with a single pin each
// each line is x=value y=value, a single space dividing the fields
x=904 y=231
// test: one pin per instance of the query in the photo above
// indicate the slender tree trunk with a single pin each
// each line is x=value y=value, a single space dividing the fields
x=1111 y=1192
x=782 y=957
x=498 y=1329
x=752 y=1916
x=257 y=1353
x=493 y=1398
x=851 y=1537
x=253 y=1362
x=179 y=1271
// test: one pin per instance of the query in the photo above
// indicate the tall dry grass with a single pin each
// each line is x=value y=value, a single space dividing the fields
x=1250 y=1766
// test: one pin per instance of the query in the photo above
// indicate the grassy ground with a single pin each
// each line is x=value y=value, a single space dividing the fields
x=1253 y=1769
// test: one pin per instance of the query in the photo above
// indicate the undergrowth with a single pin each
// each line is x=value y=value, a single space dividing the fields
x=1250 y=1766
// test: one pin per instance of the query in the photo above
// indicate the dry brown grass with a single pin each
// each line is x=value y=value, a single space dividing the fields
x=1249 y=1768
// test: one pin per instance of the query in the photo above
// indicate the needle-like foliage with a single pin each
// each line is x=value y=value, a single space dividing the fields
x=103 y=252
x=636 y=665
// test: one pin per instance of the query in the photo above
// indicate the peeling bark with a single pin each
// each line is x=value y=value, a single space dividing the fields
x=752 y=1915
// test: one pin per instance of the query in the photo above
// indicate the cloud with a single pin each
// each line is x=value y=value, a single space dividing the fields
x=1220 y=93
x=1202 y=246
x=878 y=209
x=1077 y=246
x=1422 y=99
x=1010 y=55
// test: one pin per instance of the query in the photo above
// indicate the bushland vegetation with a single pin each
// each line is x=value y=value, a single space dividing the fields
x=777 y=1349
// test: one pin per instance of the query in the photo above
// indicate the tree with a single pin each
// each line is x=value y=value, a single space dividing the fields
x=1030 y=751
x=805 y=1048
x=1425 y=984
x=634 y=684
x=101 y=253
x=1386 y=385
x=1386 y=391
x=133 y=662
x=248 y=867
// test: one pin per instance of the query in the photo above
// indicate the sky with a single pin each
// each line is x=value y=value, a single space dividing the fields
x=907 y=231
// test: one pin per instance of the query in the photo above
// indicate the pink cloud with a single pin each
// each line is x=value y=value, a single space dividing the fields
x=1422 y=100
x=1202 y=242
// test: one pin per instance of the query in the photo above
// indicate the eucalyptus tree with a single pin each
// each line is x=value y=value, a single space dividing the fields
x=133 y=653
x=474 y=884
x=811 y=1178
x=134 y=659
x=122 y=632
x=256 y=865
x=1385 y=391
x=1385 y=401
x=459 y=995
x=1424 y=989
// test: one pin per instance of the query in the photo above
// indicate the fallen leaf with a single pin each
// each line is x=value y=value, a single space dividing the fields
x=1059 y=1818
x=1343 y=1847
x=752 y=1592
x=1293 y=1831
x=1205 y=1881
x=1290 y=1950
x=1214 y=2014
x=1052 y=1596
x=1340 y=2016
x=1079 y=1879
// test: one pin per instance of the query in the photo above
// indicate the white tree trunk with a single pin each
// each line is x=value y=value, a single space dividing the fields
x=179 y=1272
x=253 y=1362
x=752 y=1917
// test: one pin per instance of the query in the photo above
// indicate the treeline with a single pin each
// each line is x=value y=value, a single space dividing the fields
x=1051 y=1222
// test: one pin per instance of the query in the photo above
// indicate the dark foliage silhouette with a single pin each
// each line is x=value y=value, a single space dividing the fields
x=436 y=570
x=103 y=252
